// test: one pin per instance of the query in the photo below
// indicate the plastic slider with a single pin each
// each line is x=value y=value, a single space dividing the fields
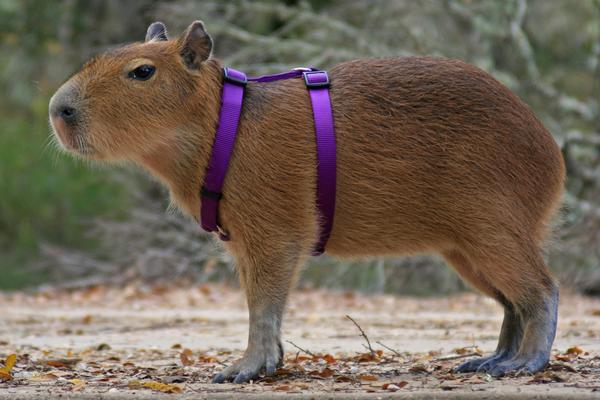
x=316 y=79
x=234 y=76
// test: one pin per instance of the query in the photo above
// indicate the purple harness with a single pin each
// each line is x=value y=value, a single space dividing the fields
x=232 y=97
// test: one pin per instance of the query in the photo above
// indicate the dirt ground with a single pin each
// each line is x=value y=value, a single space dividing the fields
x=146 y=342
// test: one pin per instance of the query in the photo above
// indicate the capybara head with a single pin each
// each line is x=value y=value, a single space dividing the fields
x=130 y=101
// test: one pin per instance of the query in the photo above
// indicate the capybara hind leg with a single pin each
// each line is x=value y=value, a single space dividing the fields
x=511 y=331
x=539 y=312
x=266 y=282
x=518 y=271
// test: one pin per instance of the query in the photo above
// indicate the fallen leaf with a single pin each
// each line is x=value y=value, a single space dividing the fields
x=575 y=350
x=9 y=363
x=156 y=386
x=103 y=346
x=419 y=368
x=163 y=387
x=61 y=362
x=185 y=359
x=368 y=378
x=547 y=377
x=325 y=373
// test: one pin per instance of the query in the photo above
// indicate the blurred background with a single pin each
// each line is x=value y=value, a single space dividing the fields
x=66 y=223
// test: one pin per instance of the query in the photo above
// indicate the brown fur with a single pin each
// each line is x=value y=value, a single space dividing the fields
x=434 y=155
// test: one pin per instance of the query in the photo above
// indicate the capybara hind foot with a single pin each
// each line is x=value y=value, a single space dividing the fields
x=508 y=343
x=483 y=364
x=520 y=365
x=538 y=336
x=250 y=366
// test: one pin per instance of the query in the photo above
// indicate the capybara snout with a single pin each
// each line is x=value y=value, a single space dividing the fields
x=433 y=156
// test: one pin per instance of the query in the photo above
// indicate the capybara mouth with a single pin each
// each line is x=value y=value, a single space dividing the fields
x=71 y=140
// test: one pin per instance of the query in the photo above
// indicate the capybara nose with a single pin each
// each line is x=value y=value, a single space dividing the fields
x=63 y=105
x=67 y=113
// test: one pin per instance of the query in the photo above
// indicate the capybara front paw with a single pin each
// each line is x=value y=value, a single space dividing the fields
x=251 y=365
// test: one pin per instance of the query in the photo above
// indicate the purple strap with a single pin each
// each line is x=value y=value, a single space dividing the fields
x=317 y=83
x=232 y=96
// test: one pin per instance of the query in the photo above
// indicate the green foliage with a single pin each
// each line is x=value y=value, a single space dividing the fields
x=46 y=197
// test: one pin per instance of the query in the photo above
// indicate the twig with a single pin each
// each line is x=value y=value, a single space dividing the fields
x=363 y=334
x=456 y=357
x=389 y=348
x=300 y=348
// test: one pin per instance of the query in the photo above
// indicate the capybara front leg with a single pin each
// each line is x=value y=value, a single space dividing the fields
x=266 y=284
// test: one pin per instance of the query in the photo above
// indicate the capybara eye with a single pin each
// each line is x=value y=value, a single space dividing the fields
x=142 y=73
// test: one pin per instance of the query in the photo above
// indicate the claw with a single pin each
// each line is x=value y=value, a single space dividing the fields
x=244 y=377
x=219 y=378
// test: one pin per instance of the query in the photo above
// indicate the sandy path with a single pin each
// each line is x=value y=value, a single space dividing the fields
x=113 y=341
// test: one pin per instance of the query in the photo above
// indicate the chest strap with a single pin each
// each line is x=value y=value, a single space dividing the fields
x=232 y=97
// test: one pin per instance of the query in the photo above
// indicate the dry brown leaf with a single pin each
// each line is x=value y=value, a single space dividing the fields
x=419 y=368
x=368 y=378
x=5 y=376
x=207 y=359
x=575 y=350
x=325 y=373
x=156 y=386
x=61 y=362
x=329 y=359
x=9 y=363
x=547 y=377
x=185 y=359
x=163 y=387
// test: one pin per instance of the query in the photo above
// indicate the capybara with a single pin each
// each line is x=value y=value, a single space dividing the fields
x=433 y=156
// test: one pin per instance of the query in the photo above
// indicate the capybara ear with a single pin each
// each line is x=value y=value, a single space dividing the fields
x=157 y=31
x=195 y=45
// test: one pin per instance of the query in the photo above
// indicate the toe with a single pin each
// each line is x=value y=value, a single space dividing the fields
x=469 y=366
x=245 y=376
x=219 y=378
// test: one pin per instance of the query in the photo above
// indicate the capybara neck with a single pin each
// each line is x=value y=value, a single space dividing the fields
x=181 y=162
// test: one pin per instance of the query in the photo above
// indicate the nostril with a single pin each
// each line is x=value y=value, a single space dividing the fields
x=67 y=113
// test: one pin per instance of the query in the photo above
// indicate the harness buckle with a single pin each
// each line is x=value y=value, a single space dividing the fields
x=316 y=79
x=234 y=76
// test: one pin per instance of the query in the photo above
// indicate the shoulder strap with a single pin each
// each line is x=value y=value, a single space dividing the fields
x=232 y=96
